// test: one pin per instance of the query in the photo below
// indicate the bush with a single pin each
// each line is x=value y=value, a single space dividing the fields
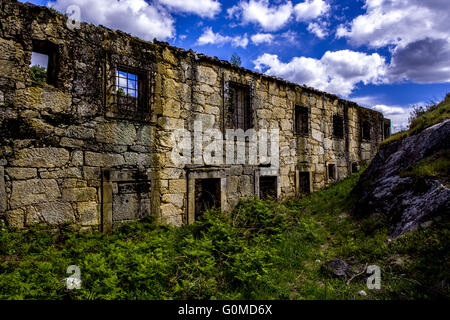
x=262 y=250
x=38 y=73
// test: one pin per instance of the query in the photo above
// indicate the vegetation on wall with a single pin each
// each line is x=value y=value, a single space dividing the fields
x=235 y=59
x=263 y=250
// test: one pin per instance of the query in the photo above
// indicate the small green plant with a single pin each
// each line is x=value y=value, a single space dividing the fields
x=236 y=60
x=38 y=74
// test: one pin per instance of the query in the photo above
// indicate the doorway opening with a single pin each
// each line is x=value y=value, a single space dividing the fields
x=207 y=195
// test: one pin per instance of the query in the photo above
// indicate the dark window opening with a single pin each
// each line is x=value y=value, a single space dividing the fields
x=43 y=66
x=331 y=171
x=207 y=195
x=387 y=130
x=354 y=167
x=304 y=182
x=338 y=126
x=301 y=120
x=365 y=130
x=130 y=90
x=267 y=187
x=240 y=106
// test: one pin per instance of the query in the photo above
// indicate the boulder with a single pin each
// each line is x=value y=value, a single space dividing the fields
x=338 y=268
x=405 y=201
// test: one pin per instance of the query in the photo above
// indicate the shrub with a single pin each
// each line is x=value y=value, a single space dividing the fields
x=38 y=73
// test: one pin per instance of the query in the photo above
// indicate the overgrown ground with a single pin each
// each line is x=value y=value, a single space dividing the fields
x=264 y=250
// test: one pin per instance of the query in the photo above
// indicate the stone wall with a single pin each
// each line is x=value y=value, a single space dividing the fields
x=69 y=154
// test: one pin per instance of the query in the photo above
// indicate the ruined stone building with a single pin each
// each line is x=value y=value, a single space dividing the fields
x=92 y=144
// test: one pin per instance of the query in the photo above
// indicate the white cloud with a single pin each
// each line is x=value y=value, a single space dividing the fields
x=416 y=31
x=203 y=8
x=318 y=29
x=144 y=20
x=310 y=9
x=337 y=72
x=398 y=22
x=269 y=17
x=399 y=116
x=291 y=37
x=209 y=37
x=389 y=110
x=262 y=38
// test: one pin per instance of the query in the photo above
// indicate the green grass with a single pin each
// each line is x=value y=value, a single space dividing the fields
x=436 y=166
x=263 y=250
x=434 y=115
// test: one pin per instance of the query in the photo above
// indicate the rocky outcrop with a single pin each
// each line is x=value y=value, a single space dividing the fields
x=406 y=201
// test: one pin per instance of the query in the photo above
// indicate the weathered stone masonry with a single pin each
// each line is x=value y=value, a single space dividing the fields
x=70 y=152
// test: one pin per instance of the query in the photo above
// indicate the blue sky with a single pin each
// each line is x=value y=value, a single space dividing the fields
x=383 y=54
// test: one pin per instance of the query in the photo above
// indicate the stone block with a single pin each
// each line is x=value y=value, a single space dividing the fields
x=176 y=199
x=21 y=173
x=177 y=186
x=61 y=173
x=144 y=135
x=171 y=173
x=79 y=194
x=55 y=213
x=171 y=108
x=232 y=184
x=73 y=183
x=167 y=123
x=206 y=75
x=26 y=192
x=95 y=159
x=15 y=218
x=77 y=158
x=41 y=157
x=31 y=216
x=80 y=132
x=88 y=213
x=121 y=133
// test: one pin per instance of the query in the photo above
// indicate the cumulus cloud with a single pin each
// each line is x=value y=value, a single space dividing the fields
x=269 y=17
x=262 y=38
x=138 y=17
x=203 y=8
x=209 y=37
x=319 y=29
x=417 y=32
x=337 y=72
x=310 y=9
x=422 y=61
x=398 y=22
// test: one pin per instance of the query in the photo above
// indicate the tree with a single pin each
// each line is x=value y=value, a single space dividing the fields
x=235 y=59
x=38 y=73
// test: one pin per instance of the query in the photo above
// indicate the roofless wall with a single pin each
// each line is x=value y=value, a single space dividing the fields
x=96 y=139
